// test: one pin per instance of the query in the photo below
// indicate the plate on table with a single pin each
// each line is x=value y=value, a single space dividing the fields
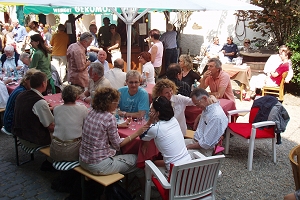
x=12 y=83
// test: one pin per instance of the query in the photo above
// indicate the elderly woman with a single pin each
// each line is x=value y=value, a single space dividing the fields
x=41 y=60
x=156 y=49
x=115 y=43
x=96 y=80
x=167 y=88
x=10 y=106
x=68 y=119
x=188 y=75
x=101 y=141
x=148 y=69
x=246 y=47
x=166 y=133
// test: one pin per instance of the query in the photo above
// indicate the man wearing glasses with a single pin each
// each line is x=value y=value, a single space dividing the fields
x=78 y=62
x=134 y=100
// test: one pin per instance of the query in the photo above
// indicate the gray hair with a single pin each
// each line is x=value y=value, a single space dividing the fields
x=24 y=55
x=9 y=48
x=133 y=73
x=86 y=36
x=198 y=93
x=217 y=62
x=119 y=63
x=97 y=68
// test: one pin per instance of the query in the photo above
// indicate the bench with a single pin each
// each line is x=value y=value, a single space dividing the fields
x=103 y=180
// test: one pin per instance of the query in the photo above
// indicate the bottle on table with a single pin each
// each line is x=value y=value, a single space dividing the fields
x=144 y=80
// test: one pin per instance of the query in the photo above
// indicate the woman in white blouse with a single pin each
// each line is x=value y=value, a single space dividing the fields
x=168 y=89
x=148 y=69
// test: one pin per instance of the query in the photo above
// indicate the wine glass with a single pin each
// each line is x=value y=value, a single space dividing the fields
x=129 y=120
x=133 y=124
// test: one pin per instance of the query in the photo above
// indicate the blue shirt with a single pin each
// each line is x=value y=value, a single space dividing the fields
x=135 y=103
x=10 y=108
x=21 y=33
x=230 y=48
x=169 y=39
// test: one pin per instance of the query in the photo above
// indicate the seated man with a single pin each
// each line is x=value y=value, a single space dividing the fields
x=217 y=80
x=10 y=60
x=101 y=58
x=273 y=70
x=116 y=76
x=25 y=58
x=33 y=120
x=229 y=50
x=174 y=73
x=134 y=100
x=212 y=51
x=96 y=80
x=211 y=126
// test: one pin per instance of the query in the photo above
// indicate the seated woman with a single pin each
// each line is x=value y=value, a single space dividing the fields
x=188 y=75
x=148 y=69
x=101 y=141
x=167 y=88
x=272 y=78
x=68 y=119
x=165 y=131
x=10 y=106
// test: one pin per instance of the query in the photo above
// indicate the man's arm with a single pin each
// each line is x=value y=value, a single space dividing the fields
x=42 y=111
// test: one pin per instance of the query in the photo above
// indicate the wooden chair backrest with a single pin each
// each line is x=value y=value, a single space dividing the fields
x=283 y=78
x=295 y=153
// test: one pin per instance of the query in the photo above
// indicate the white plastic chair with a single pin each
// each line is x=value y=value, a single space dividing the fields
x=196 y=179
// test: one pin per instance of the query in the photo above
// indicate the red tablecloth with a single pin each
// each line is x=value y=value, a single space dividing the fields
x=191 y=112
x=135 y=147
x=55 y=100
x=11 y=86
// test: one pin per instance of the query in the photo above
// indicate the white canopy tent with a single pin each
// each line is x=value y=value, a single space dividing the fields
x=130 y=9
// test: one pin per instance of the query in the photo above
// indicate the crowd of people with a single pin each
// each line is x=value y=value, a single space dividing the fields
x=91 y=137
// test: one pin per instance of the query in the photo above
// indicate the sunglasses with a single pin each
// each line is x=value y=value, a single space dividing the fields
x=247 y=42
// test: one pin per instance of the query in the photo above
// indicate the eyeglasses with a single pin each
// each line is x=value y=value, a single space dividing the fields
x=157 y=99
x=247 y=42
x=134 y=82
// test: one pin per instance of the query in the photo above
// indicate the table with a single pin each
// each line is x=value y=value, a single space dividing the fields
x=191 y=112
x=256 y=56
x=135 y=146
x=240 y=73
x=11 y=86
x=55 y=100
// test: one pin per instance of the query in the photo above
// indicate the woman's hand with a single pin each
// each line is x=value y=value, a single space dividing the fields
x=123 y=125
x=152 y=117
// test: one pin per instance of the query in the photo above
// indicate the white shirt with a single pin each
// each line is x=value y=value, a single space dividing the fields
x=116 y=77
x=148 y=68
x=179 y=103
x=105 y=65
x=273 y=63
x=169 y=141
x=3 y=95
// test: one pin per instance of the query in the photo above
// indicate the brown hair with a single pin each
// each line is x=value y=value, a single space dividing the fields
x=104 y=97
x=146 y=55
x=162 y=84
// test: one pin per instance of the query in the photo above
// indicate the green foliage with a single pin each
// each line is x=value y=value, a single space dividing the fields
x=277 y=19
x=294 y=44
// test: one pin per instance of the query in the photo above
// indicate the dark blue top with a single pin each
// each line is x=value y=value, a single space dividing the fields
x=230 y=48
x=10 y=108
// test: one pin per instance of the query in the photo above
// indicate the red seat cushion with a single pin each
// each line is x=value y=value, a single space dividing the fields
x=244 y=129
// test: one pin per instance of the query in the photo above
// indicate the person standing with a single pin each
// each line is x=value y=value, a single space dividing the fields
x=104 y=33
x=41 y=60
x=115 y=43
x=156 y=50
x=77 y=61
x=170 y=44
x=20 y=34
x=59 y=43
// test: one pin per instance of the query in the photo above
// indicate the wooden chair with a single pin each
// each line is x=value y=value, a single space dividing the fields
x=249 y=132
x=279 y=90
x=196 y=179
x=295 y=153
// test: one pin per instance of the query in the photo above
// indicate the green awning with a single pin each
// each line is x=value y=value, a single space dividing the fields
x=72 y=10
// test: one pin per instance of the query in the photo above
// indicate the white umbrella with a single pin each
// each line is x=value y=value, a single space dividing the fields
x=130 y=8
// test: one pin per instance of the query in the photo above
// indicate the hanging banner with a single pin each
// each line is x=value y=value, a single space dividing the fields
x=65 y=10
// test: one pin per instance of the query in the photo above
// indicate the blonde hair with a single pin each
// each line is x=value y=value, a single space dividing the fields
x=162 y=84
x=187 y=60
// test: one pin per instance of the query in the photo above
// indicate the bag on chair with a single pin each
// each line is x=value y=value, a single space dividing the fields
x=116 y=192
